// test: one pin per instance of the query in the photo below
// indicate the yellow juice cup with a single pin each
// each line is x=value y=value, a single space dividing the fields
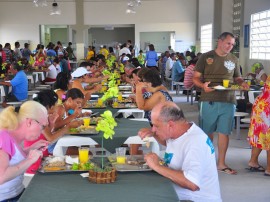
x=226 y=83
x=249 y=82
x=120 y=155
x=118 y=82
x=115 y=104
x=120 y=97
x=2 y=75
x=86 y=122
x=121 y=159
x=261 y=83
x=104 y=88
x=83 y=154
x=100 y=102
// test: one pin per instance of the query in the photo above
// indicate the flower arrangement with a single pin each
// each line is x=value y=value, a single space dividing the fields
x=113 y=88
x=105 y=174
x=107 y=124
x=110 y=61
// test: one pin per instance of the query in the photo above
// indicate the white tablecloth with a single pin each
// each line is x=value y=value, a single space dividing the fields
x=69 y=140
x=137 y=113
x=39 y=73
x=31 y=78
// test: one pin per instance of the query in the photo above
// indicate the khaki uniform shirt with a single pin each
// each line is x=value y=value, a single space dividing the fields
x=215 y=68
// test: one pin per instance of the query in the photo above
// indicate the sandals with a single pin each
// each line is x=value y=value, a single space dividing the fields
x=256 y=169
x=228 y=171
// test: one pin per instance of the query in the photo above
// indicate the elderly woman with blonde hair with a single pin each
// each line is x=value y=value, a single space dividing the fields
x=16 y=125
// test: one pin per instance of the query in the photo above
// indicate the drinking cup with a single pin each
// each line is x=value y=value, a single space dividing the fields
x=120 y=155
x=83 y=154
x=100 y=102
x=86 y=121
x=226 y=83
x=120 y=97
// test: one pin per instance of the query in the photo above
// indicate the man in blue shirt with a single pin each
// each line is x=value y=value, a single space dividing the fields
x=177 y=71
x=19 y=85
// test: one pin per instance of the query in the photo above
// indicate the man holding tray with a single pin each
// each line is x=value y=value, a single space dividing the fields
x=217 y=107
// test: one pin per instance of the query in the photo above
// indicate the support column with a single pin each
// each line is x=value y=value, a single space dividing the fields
x=81 y=36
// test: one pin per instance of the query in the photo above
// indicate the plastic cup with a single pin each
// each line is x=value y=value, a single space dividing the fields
x=86 y=122
x=226 y=83
x=261 y=83
x=83 y=154
x=100 y=102
x=115 y=103
x=118 y=82
x=120 y=97
x=120 y=155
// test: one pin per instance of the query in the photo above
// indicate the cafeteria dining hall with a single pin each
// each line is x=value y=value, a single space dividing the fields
x=134 y=100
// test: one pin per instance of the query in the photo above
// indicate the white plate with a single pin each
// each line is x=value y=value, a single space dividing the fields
x=219 y=87
x=87 y=110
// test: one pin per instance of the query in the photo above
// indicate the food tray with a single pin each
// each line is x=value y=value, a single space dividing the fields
x=89 y=130
x=136 y=164
x=229 y=89
x=57 y=169
x=93 y=105
x=125 y=106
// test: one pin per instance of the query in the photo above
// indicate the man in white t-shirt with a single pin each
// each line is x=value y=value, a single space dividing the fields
x=169 y=64
x=190 y=156
x=52 y=72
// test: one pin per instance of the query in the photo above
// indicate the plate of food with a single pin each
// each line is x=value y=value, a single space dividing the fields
x=94 y=105
x=126 y=100
x=124 y=106
x=133 y=163
x=64 y=164
x=89 y=130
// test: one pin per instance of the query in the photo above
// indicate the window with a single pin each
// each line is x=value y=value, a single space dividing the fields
x=260 y=36
x=206 y=38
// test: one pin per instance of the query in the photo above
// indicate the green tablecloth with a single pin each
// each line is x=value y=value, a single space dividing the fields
x=131 y=187
x=101 y=110
x=124 y=129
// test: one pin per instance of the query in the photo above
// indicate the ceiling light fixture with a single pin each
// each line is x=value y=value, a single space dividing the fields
x=132 y=5
x=40 y=3
x=55 y=9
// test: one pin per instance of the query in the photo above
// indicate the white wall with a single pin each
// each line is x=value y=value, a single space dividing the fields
x=177 y=16
x=20 y=20
x=251 y=7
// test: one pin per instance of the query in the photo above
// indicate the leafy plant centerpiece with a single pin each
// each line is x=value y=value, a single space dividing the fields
x=113 y=90
x=104 y=174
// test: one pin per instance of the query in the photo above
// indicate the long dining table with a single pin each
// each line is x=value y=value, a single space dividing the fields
x=129 y=186
x=124 y=129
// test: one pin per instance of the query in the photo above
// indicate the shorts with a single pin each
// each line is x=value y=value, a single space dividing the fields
x=216 y=117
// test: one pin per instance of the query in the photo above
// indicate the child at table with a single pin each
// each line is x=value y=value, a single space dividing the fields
x=48 y=99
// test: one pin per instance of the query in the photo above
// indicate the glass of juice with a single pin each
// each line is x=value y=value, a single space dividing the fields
x=120 y=155
x=83 y=154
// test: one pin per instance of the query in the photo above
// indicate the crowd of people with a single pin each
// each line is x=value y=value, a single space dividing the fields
x=189 y=160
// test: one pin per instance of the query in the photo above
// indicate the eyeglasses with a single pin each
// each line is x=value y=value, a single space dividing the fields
x=42 y=126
